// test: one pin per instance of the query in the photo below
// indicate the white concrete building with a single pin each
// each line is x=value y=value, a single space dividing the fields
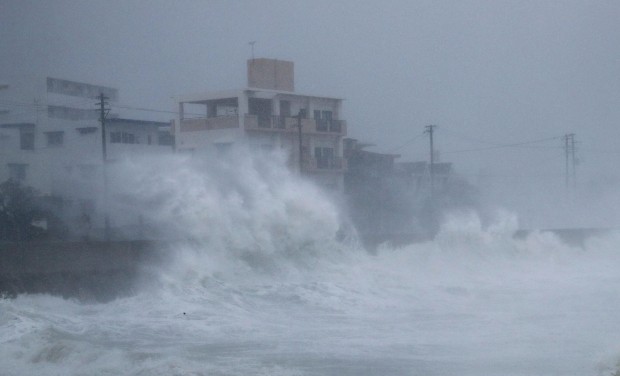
x=266 y=116
x=50 y=139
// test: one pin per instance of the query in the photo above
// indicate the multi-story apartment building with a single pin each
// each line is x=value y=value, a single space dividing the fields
x=50 y=139
x=268 y=115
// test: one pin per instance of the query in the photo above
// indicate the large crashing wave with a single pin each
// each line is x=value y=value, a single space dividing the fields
x=267 y=286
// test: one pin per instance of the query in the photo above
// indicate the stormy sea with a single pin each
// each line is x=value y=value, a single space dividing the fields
x=271 y=284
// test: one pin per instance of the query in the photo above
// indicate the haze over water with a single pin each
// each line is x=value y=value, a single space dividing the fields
x=266 y=287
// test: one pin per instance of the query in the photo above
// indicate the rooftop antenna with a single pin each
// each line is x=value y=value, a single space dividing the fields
x=252 y=45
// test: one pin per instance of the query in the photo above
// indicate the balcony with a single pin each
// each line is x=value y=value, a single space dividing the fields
x=262 y=122
x=282 y=123
x=331 y=126
x=203 y=124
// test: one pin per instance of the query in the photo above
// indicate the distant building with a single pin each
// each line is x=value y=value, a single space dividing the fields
x=392 y=201
x=418 y=175
x=266 y=116
x=50 y=139
x=375 y=203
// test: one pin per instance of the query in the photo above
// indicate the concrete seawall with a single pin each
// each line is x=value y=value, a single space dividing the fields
x=101 y=271
x=97 y=271
x=570 y=236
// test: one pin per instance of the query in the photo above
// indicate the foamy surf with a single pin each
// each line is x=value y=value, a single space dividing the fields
x=266 y=288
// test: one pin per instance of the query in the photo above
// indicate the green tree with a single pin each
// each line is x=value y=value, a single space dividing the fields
x=18 y=211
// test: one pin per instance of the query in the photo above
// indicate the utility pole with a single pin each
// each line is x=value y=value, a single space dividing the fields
x=574 y=162
x=300 y=115
x=570 y=160
x=430 y=129
x=104 y=152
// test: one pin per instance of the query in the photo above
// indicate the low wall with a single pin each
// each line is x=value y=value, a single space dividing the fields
x=97 y=271
x=101 y=271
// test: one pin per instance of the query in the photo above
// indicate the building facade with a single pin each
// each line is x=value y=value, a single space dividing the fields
x=268 y=115
x=50 y=139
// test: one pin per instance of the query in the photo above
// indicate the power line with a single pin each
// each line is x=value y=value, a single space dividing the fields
x=86 y=102
x=502 y=146
x=406 y=143
x=467 y=137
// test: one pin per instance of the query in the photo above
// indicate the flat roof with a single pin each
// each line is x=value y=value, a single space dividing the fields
x=206 y=96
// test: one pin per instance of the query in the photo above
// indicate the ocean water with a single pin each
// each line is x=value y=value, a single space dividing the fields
x=269 y=285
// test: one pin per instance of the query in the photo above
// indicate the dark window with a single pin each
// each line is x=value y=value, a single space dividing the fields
x=285 y=108
x=26 y=140
x=123 y=138
x=129 y=138
x=87 y=130
x=165 y=138
x=116 y=137
x=324 y=157
x=55 y=139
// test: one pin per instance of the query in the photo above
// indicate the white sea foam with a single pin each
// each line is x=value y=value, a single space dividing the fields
x=266 y=288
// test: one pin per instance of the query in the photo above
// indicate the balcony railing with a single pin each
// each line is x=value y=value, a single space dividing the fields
x=201 y=124
x=326 y=125
x=259 y=122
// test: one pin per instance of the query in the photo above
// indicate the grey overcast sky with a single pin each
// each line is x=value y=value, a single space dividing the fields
x=486 y=72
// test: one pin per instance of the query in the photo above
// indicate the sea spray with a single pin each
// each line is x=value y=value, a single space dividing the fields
x=260 y=283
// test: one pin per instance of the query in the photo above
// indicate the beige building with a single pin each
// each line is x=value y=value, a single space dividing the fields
x=268 y=115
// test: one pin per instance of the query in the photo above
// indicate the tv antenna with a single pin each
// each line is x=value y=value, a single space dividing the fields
x=252 y=45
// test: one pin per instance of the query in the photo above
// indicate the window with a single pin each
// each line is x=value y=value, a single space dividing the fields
x=116 y=137
x=17 y=171
x=69 y=113
x=285 y=108
x=123 y=138
x=26 y=140
x=55 y=139
x=86 y=130
x=324 y=157
x=165 y=138
x=129 y=138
